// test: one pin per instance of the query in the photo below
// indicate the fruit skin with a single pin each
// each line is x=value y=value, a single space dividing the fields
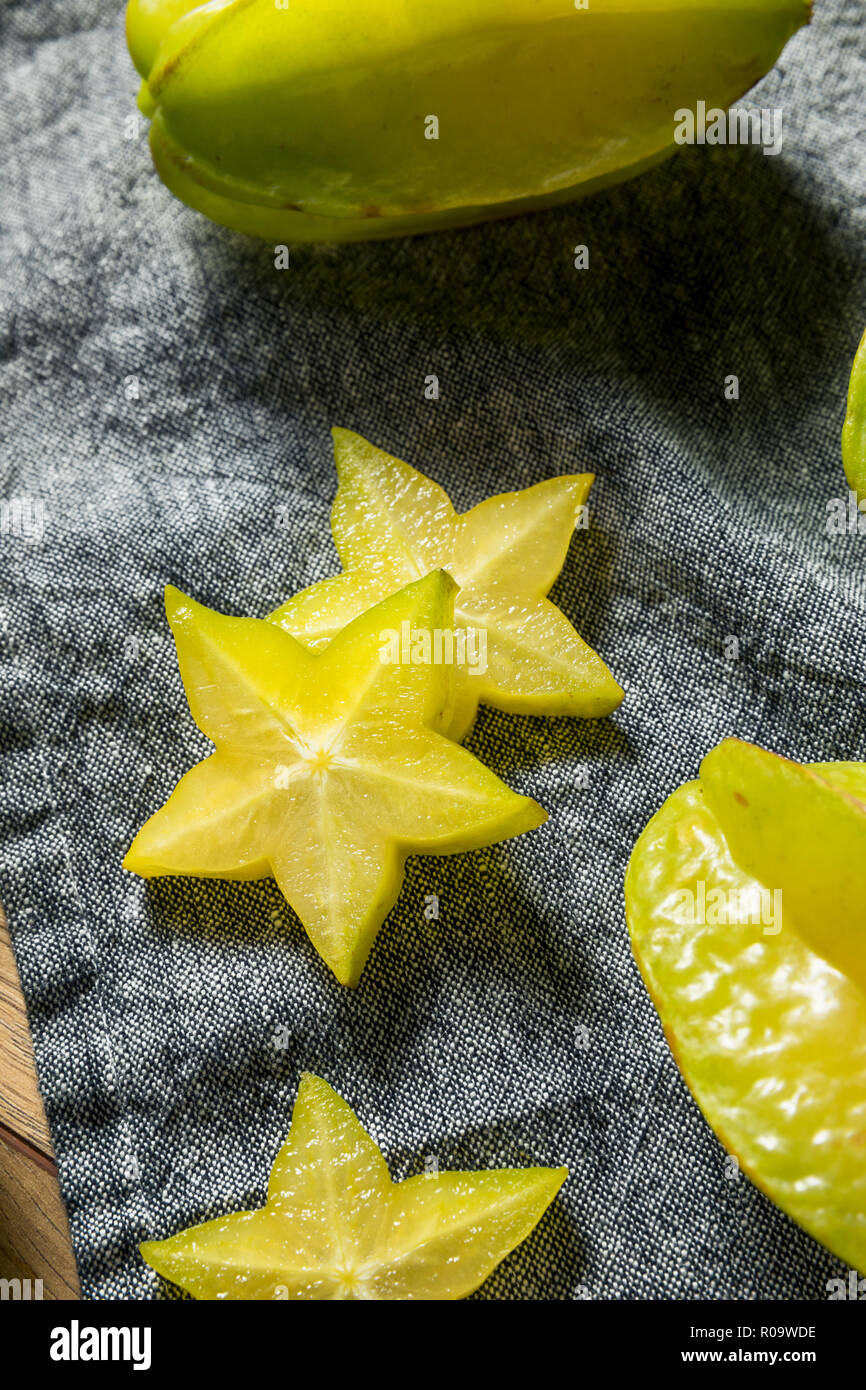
x=308 y=123
x=854 y=429
x=769 y=1037
x=789 y=827
x=336 y=1227
x=391 y=523
x=327 y=771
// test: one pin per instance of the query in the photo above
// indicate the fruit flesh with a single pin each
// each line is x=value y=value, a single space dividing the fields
x=770 y=1038
x=327 y=771
x=336 y=1227
x=854 y=429
x=265 y=117
x=391 y=525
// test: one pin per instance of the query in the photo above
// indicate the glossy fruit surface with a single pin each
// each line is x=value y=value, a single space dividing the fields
x=391 y=525
x=336 y=1227
x=854 y=429
x=311 y=119
x=801 y=833
x=769 y=1036
x=327 y=771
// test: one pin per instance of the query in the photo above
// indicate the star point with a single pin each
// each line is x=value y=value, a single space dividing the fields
x=336 y=1227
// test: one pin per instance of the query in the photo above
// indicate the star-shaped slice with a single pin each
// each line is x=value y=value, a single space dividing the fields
x=854 y=429
x=392 y=525
x=336 y=1227
x=327 y=771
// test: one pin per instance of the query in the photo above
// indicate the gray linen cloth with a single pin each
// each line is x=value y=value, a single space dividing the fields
x=167 y=395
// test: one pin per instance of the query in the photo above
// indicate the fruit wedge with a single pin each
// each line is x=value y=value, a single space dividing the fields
x=769 y=1034
x=854 y=429
x=391 y=525
x=791 y=828
x=304 y=120
x=336 y=1227
x=327 y=771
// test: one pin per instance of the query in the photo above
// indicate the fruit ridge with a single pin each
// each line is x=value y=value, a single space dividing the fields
x=336 y=1227
x=769 y=1036
x=312 y=122
x=854 y=429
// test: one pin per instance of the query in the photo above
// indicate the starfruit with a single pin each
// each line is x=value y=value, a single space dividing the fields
x=327 y=770
x=336 y=1227
x=341 y=120
x=854 y=429
x=391 y=525
x=746 y=904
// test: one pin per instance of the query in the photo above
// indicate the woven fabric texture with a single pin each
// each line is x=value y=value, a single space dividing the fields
x=167 y=395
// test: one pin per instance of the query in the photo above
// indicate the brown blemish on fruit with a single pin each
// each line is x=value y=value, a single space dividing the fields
x=738 y=797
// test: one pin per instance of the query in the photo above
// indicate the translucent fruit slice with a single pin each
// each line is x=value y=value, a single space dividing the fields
x=327 y=771
x=336 y=1227
x=854 y=429
x=770 y=1037
x=391 y=525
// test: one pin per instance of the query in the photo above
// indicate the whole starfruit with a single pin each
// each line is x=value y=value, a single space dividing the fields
x=342 y=120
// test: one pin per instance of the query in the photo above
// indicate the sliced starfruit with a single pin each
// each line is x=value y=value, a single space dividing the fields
x=520 y=652
x=795 y=830
x=745 y=903
x=340 y=120
x=854 y=429
x=336 y=1227
x=327 y=771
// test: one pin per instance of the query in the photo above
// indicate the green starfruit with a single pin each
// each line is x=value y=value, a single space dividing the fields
x=854 y=429
x=341 y=120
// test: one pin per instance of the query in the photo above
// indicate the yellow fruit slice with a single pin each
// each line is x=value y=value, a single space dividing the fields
x=336 y=1227
x=347 y=119
x=770 y=1038
x=327 y=771
x=854 y=429
x=392 y=525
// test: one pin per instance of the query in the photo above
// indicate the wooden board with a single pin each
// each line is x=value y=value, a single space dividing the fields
x=21 y=1109
x=34 y=1235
